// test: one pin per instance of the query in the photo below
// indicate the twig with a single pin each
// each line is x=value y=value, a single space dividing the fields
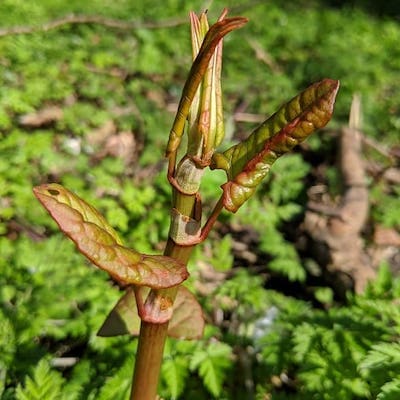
x=355 y=123
x=248 y=117
x=383 y=150
x=264 y=56
x=73 y=19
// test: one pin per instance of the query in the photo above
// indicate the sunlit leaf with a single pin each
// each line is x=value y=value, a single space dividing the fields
x=212 y=365
x=175 y=373
x=45 y=383
x=196 y=74
x=390 y=390
x=187 y=320
x=95 y=238
x=248 y=162
x=206 y=123
x=123 y=318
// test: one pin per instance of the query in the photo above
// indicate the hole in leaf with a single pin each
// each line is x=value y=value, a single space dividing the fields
x=53 y=192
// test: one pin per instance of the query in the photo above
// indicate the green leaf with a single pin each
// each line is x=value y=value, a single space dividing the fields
x=383 y=356
x=222 y=255
x=187 y=320
x=289 y=267
x=212 y=365
x=175 y=373
x=384 y=281
x=324 y=295
x=390 y=390
x=8 y=346
x=117 y=386
x=45 y=384
x=97 y=240
x=248 y=162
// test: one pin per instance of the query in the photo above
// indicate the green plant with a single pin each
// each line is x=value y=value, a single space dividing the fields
x=347 y=352
x=154 y=296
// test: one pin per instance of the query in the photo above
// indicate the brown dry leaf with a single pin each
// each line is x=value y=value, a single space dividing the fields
x=97 y=137
x=207 y=279
x=157 y=97
x=392 y=175
x=43 y=117
x=107 y=141
x=122 y=145
x=386 y=236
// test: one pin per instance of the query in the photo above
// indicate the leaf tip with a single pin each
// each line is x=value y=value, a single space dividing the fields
x=332 y=87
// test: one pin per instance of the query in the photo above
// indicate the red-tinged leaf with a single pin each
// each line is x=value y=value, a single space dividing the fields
x=248 y=162
x=98 y=241
x=196 y=74
x=187 y=320
x=123 y=318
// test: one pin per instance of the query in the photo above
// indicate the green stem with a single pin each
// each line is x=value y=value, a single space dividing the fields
x=152 y=336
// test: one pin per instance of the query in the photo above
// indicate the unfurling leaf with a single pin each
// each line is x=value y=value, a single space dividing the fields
x=187 y=320
x=196 y=74
x=98 y=241
x=248 y=162
x=206 y=125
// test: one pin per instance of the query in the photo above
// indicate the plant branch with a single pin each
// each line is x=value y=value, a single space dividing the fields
x=208 y=225
x=212 y=218
x=73 y=19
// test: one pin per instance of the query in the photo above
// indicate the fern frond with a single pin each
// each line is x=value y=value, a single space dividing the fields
x=118 y=386
x=212 y=365
x=45 y=384
x=175 y=372
x=390 y=390
x=382 y=357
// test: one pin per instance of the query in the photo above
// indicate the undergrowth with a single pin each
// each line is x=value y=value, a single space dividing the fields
x=259 y=342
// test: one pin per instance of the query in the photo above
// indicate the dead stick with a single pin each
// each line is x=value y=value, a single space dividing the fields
x=73 y=19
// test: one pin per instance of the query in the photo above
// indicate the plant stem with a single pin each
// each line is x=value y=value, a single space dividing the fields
x=152 y=336
x=152 y=340
x=148 y=360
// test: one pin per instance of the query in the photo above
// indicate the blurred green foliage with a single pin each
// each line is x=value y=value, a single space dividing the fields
x=52 y=302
